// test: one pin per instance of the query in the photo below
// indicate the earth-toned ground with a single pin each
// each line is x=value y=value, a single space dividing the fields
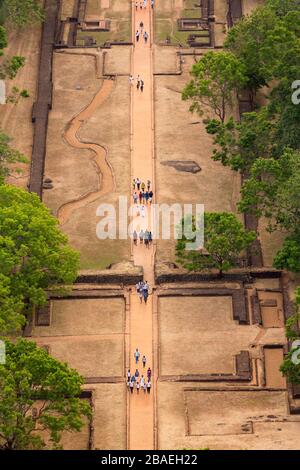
x=16 y=118
x=191 y=341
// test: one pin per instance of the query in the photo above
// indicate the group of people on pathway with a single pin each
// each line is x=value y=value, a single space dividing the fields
x=145 y=237
x=134 y=381
x=142 y=192
x=142 y=197
x=139 y=82
x=143 y=4
x=140 y=32
x=142 y=290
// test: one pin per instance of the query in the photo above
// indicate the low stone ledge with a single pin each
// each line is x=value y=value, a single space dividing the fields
x=121 y=275
x=165 y=274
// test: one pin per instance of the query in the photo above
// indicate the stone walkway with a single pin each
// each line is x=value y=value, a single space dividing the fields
x=141 y=406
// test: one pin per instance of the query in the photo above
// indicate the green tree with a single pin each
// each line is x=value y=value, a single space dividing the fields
x=224 y=239
x=288 y=257
x=23 y=12
x=8 y=156
x=11 y=320
x=239 y=144
x=272 y=191
x=3 y=39
x=290 y=367
x=267 y=42
x=215 y=77
x=39 y=398
x=34 y=253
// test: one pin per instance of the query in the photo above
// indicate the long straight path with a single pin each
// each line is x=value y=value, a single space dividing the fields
x=141 y=406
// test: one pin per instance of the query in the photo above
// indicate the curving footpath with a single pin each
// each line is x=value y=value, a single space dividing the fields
x=104 y=169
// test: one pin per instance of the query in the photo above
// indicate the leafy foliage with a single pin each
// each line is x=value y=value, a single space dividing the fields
x=272 y=191
x=23 y=12
x=289 y=367
x=39 y=398
x=224 y=239
x=239 y=144
x=215 y=77
x=8 y=155
x=34 y=253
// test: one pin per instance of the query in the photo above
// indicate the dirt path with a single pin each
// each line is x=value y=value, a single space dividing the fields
x=103 y=168
x=141 y=406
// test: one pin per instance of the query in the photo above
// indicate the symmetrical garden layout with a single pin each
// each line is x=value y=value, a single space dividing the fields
x=215 y=346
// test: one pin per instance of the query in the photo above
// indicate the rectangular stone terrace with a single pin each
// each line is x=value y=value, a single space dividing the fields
x=89 y=334
x=219 y=384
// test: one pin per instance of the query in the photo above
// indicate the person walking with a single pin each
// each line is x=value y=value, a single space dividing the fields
x=131 y=79
x=133 y=184
x=143 y=196
x=136 y=374
x=141 y=296
x=146 y=197
x=128 y=378
x=146 y=241
x=150 y=196
x=143 y=186
x=138 y=181
x=149 y=374
x=142 y=86
x=152 y=4
x=135 y=237
x=148 y=386
x=146 y=238
x=150 y=238
x=141 y=5
x=145 y=3
x=144 y=360
x=140 y=197
x=142 y=236
x=145 y=295
x=141 y=26
x=136 y=5
x=139 y=287
x=146 y=35
x=135 y=197
x=137 y=386
x=148 y=185
x=144 y=387
x=137 y=35
x=138 y=84
x=131 y=385
x=137 y=356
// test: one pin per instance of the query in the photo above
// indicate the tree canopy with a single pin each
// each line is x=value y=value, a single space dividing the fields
x=8 y=156
x=34 y=253
x=272 y=190
x=22 y=12
x=39 y=398
x=264 y=47
x=214 y=79
x=290 y=367
x=224 y=239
